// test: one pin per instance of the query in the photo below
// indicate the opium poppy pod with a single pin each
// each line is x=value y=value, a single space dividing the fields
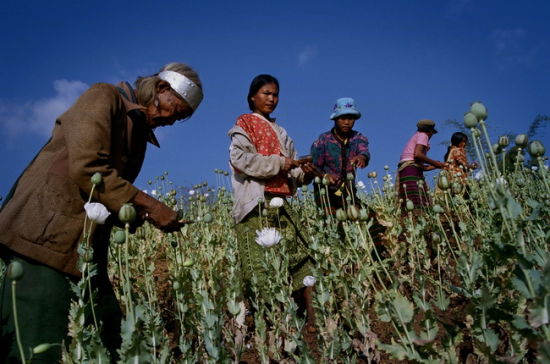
x=470 y=120
x=536 y=149
x=127 y=213
x=479 y=110
x=522 y=140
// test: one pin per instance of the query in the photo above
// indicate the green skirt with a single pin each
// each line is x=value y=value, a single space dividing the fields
x=252 y=255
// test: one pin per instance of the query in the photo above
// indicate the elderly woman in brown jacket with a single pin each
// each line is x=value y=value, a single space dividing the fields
x=41 y=221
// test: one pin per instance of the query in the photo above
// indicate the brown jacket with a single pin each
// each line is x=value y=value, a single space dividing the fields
x=102 y=132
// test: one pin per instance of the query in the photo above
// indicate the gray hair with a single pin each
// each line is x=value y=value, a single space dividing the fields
x=146 y=86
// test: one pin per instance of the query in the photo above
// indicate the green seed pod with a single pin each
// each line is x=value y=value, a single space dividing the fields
x=386 y=167
x=470 y=120
x=38 y=349
x=304 y=188
x=443 y=182
x=536 y=149
x=326 y=180
x=119 y=237
x=457 y=188
x=176 y=285
x=503 y=141
x=322 y=191
x=436 y=238
x=317 y=180
x=522 y=140
x=496 y=148
x=520 y=181
x=341 y=215
x=127 y=213
x=15 y=271
x=479 y=110
x=350 y=177
x=202 y=198
x=207 y=218
x=225 y=173
x=437 y=209
x=410 y=205
x=96 y=179
x=353 y=213
x=476 y=133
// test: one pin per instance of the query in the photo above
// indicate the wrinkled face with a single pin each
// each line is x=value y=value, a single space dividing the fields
x=344 y=123
x=266 y=99
x=168 y=107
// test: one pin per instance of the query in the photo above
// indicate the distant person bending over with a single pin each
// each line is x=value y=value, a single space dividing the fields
x=265 y=171
x=41 y=221
x=412 y=164
x=338 y=152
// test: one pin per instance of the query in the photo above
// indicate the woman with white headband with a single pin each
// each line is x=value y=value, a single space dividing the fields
x=106 y=131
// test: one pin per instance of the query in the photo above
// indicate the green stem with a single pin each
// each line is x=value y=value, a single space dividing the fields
x=493 y=157
x=16 y=322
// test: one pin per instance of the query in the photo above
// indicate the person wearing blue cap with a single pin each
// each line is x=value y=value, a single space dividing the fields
x=338 y=153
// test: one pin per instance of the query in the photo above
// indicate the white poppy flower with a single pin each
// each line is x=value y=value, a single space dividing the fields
x=96 y=212
x=534 y=168
x=191 y=192
x=360 y=185
x=309 y=281
x=154 y=192
x=268 y=237
x=145 y=191
x=478 y=175
x=276 y=202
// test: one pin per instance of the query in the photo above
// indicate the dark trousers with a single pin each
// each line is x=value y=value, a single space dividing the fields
x=43 y=297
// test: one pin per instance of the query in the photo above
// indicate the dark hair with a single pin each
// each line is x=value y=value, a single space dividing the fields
x=257 y=83
x=456 y=139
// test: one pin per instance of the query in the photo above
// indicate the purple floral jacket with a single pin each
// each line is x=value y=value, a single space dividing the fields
x=332 y=156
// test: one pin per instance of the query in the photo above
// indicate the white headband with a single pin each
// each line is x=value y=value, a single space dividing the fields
x=186 y=88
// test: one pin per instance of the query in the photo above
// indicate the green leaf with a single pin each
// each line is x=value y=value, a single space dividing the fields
x=427 y=336
x=423 y=305
x=539 y=316
x=521 y=287
x=513 y=207
x=492 y=339
x=442 y=302
x=398 y=351
x=403 y=307
x=233 y=307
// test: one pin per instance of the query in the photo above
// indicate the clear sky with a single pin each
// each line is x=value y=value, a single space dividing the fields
x=400 y=60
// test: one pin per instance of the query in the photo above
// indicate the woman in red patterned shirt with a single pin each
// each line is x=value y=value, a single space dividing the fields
x=265 y=172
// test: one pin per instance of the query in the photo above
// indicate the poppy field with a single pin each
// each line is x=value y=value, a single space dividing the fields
x=465 y=281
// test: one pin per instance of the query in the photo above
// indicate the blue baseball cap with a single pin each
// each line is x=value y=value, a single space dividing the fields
x=345 y=106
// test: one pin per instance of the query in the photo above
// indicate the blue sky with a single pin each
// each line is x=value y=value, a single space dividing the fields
x=400 y=60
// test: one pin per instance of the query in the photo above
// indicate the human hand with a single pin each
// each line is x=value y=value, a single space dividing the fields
x=310 y=170
x=289 y=164
x=359 y=161
x=157 y=213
